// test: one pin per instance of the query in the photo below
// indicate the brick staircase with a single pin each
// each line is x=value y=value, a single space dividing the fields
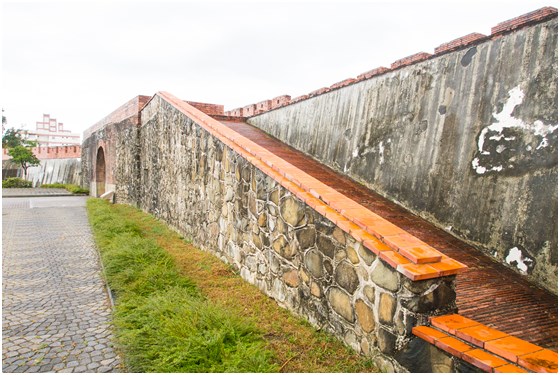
x=486 y=348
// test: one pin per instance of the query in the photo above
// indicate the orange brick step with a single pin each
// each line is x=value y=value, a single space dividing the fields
x=486 y=348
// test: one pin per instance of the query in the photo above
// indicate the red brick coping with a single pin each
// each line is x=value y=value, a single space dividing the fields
x=404 y=252
x=486 y=348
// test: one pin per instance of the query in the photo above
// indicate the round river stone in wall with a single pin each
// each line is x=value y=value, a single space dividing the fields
x=314 y=263
x=385 y=277
x=345 y=276
x=306 y=237
x=291 y=211
x=340 y=303
x=291 y=278
x=365 y=316
x=387 y=307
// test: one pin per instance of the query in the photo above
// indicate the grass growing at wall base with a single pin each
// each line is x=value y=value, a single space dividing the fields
x=163 y=322
x=75 y=189
x=173 y=298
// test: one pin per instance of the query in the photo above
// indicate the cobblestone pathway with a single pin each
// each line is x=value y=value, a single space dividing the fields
x=55 y=309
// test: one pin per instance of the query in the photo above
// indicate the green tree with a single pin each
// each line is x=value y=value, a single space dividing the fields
x=24 y=156
x=12 y=138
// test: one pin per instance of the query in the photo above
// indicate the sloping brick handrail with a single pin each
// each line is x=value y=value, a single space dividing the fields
x=404 y=252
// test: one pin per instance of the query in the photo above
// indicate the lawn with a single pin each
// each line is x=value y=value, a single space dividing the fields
x=180 y=309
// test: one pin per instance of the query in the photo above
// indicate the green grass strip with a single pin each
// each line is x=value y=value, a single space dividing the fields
x=75 y=189
x=162 y=321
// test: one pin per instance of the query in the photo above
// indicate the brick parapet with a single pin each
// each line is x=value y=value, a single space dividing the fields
x=130 y=109
x=58 y=152
x=404 y=252
x=409 y=60
x=208 y=108
x=461 y=42
x=372 y=73
x=524 y=20
x=537 y=16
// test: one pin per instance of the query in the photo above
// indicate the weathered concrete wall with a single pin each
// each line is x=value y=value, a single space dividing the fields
x=467 y=139
x=211 y=194
x=50 y=171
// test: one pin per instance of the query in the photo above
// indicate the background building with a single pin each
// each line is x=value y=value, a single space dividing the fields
x=50 y=133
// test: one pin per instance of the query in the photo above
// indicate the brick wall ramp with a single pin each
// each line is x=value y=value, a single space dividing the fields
x=407 y=254
x=486 y=348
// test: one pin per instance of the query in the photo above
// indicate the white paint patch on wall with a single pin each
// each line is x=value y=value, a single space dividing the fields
x=504 y=120
x=515 y=257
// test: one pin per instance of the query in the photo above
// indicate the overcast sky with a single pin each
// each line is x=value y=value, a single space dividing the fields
x=78 y=60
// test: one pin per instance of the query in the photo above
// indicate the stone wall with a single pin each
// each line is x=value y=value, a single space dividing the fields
x=212 y=194
x=467 y=139
x=116 y=135
x=119 y=144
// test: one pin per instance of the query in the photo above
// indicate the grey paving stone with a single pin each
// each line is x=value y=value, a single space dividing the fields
x=73 y=363
x=59 y=366
x=93 y=365
x=45 y=368
x=54 y=302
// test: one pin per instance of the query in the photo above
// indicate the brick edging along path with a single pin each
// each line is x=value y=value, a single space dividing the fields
x=56 y=315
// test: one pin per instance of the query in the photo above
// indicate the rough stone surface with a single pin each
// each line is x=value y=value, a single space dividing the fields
x=385 y=277
x=340 y=302
x=291 y=211
x=291 y=278
x=346 y=276
x=306 y=237
x=54 y=301
x=364 y=313
x=387 y=307
x=423 y=137
x=314 y=263
x=366 y=254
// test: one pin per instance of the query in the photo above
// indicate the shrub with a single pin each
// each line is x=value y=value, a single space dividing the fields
x=16 y=182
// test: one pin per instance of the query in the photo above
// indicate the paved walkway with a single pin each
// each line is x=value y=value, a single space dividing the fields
x=487 y=292
x=34 y=192
x=55 y=309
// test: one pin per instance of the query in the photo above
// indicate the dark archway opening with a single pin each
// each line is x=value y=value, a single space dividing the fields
x=100 y=172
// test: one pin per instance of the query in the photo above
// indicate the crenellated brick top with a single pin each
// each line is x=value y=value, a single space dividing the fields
x=537 y=16
x=407 y=254
x=58 y=152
